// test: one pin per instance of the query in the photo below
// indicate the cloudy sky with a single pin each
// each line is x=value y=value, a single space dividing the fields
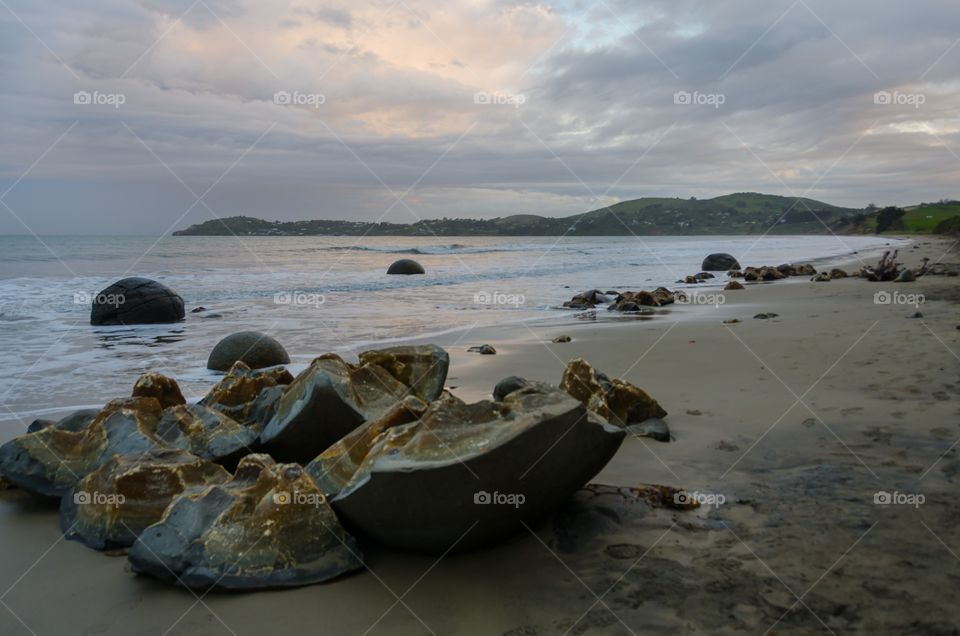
x=142 y=116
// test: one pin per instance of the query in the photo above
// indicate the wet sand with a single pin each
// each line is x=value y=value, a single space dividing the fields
x=797 y=421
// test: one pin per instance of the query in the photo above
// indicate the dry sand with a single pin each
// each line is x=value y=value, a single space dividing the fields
x=796 y=421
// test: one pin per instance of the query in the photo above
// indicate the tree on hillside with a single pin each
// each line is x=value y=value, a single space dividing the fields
x=890 y=218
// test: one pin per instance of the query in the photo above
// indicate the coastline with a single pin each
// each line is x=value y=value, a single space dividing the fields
x=797 y=420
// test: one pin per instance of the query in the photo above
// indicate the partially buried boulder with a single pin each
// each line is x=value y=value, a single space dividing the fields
x=465 y=475
x=719 y=262
x=256 y=350
x=133 y=301
x=406 y=267
x=111 y=506
x=268 y=527
x=507 y=386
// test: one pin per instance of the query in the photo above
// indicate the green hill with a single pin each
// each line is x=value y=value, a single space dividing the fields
x=740 y=213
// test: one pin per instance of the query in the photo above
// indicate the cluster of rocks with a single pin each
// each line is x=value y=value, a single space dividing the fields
x=622 y=301
x=256 y=485
x=770 y=272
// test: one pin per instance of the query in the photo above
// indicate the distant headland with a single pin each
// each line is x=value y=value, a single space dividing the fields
x=739 y=213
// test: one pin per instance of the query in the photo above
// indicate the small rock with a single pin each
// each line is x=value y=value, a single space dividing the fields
x=197 y=310
x=405 y=267
x=906 y=276
x=484 y=350
x=731 y=321
x=507 y=386
x=561 y=339
x=694 y=412
x=732 y=286
x=916 y=315
x=766 y=315
x=652 y=427
x=822 y=277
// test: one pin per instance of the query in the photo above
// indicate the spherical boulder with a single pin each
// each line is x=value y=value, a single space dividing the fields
x=719 y=262
x=136 y=301
x=256 y=350
x=406 y=267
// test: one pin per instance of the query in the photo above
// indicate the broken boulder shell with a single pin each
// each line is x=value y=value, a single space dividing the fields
x=268 y=527
x=247 y=396
x=154 y=385
x=465 y=475
x=616 y=400
x=52 y=460
x=207 y=433
x=332 y=397
x=111 y=506
x=422 y=368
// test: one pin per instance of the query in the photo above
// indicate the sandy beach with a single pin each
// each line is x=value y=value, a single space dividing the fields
x=793 y=424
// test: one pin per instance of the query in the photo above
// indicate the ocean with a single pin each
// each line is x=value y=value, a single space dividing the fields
x=314 y=294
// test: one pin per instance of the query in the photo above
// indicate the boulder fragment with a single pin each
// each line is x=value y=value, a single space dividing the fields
x=268 y=527
x=616 y=400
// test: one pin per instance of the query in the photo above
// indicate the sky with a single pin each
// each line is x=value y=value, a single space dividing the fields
x=145 y=116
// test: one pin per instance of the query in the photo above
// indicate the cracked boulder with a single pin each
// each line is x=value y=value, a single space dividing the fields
x=111 y=506
x=615 y=400
x=247 y=396
x=136 y=301
x=52 y=460
x=328 y=400
x=337 y=465
x=465 y=475
x=206 y=433
x=268 y=527
x=154 y=385
x=421 y=368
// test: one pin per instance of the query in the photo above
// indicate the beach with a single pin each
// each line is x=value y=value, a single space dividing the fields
x=794 y=428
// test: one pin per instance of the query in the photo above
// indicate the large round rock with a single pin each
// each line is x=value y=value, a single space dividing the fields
x=719 y=262
x=136 y=301
x=256 y=350
x=406 y=266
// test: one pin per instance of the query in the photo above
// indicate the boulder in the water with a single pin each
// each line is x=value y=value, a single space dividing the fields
x=719 y=262
x=269 y=527
x=256 y=350
x=406 y=267
x=111 y=506
x=135 y=301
